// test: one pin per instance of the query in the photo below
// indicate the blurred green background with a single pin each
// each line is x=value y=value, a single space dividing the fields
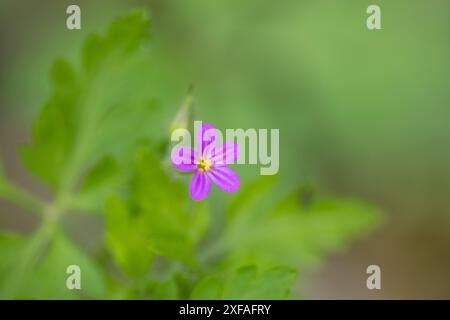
x=361 y=113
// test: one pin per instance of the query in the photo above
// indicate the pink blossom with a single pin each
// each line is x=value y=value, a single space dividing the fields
x=208 y=162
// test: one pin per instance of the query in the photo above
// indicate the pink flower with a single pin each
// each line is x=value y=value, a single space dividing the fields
x=209 y=162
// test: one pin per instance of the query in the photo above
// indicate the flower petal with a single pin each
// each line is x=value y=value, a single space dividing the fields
x=223 y=154
x=206 y=135
x=199 y=186
x=184 y=159
x=225 y=178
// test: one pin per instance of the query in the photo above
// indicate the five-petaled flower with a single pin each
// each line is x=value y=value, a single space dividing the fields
x=209 y=162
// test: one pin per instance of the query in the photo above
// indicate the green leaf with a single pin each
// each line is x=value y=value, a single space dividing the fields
x=292 y=233
x=99 y=174
x=167 y=290
x=171 y=217
x=247 y=283
x=208 y=288
x=102 y=110
x=250 y=197
x=157 y=217
x=97 y=185
x=10 y=246
x=48 y=153
x=124 y=35
x=198 y=220
x=127 y=239
x=47 y=280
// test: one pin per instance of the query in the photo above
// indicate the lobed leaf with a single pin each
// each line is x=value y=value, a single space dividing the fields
x=291 y=233
x=47 y=280
x=247 y=283
x=157 y=215
x=102 y=110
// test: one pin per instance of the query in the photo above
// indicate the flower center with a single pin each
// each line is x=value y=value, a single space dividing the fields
x=204 y=165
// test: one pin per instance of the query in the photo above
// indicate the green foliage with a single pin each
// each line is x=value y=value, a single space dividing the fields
x=288 y=230
x=97 y=143
x=10 y=245
x=93 y=109
x=166 y=290
x=81 y=141
x=49 y=152
x=47 y=278
x=154 y=220
x=127 y=239
x=97 y=184
x=247 y=283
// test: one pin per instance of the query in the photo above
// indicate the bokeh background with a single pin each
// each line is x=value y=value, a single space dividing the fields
x=361 y=113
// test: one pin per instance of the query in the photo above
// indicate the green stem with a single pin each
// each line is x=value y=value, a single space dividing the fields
x=22 y=198
x=35 y=249
x=40 y=239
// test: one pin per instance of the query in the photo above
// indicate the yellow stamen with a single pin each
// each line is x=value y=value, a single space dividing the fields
x=204 y=165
